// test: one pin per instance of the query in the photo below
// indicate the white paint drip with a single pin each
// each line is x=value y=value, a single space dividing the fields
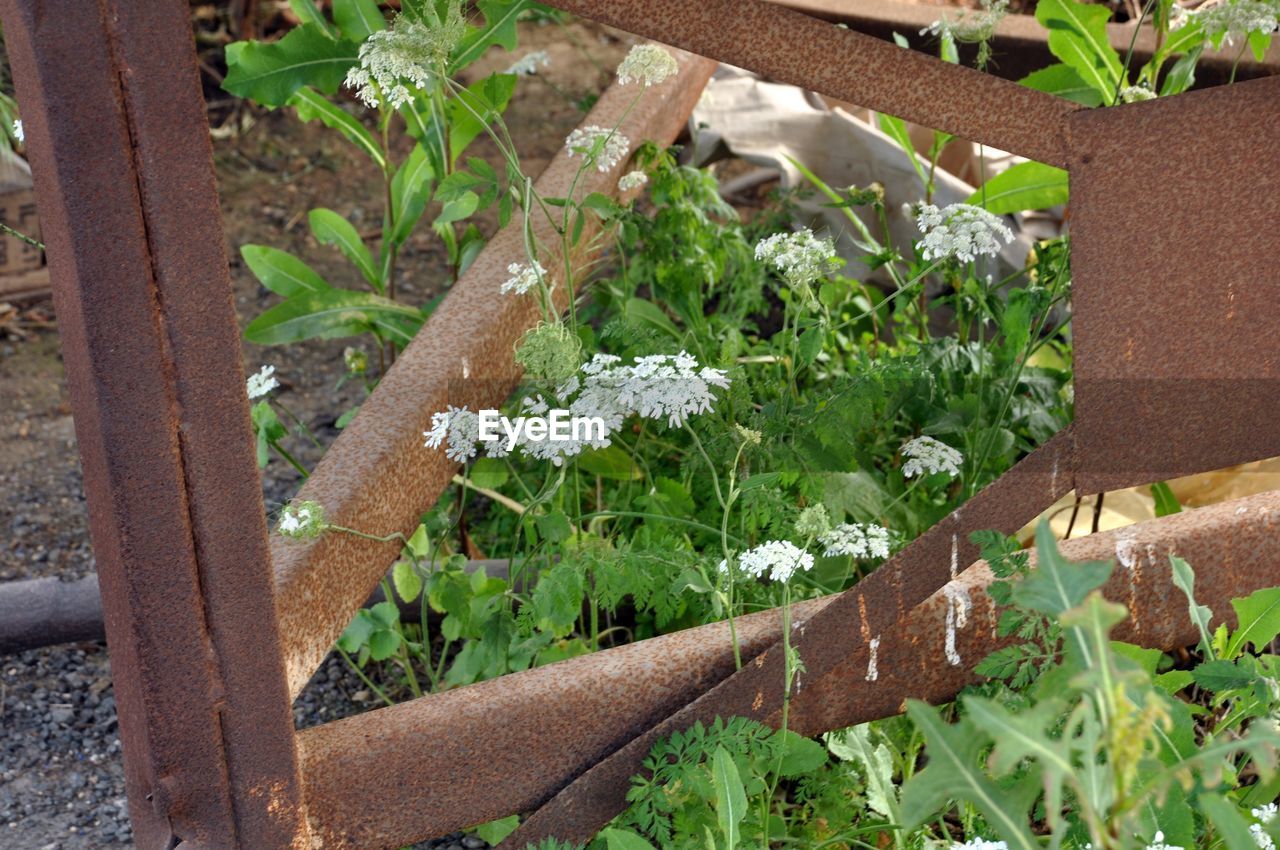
x=955 y=557
x=872 y=672
x=957 y=618
x=466 y=368
x=1053 y=479
x=1126 y=552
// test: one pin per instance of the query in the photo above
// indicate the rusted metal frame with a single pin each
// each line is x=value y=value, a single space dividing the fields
x=1174 y=297
x=799 y=49
x=377 y=476
x=850 y=620
x=1020 y=45
x=120 y=154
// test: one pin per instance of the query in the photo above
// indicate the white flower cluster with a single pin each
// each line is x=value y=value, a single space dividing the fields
x=261 y=382
x=781 y=559
x=927 y=456
x=670 y=387
x=632 y=180
x=528 y=65
x=613 y=149
x=801 y=258
x=1264 y=815
x=523 y=277
x=979 y=844
x=1157 y=843
x=458 y=430
x=301 y=520
x=962 y=231
x=972 y=26
x=648 y=64
x=1233 y=19
x=402 y=57
x=1136 y=94
x=856 y=540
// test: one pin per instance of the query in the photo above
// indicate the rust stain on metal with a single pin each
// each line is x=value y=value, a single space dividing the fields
x=377 y=476
x=1174 y=296
x=799 y=49
x=120 y=154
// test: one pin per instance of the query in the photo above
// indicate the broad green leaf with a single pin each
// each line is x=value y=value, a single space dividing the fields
x=1025 y=186
x=311 y=105
x=1259 y=43
x=1078 y=37
x=495 y=830
x=624 y=839
x=953 y=774
x=358 y=18
x=332 y=229
x=459 y=208
x=1063 y=81
x=385 y=614
x=500 y=18
x=357 y=633
x=407 y=582
x=281 y=272
x=383 y=644
x=800 y=755
x=731 y=797
x=610 y=462
x=410 y=190
x=308 y=14
x=1182 y=75
x=489 y=472
x=419 y=542
x=1057 y=585
x=638 y=311
x=1229 y=824
x=1166 y=502
x=1220 y=676
x=809 y=346
x=1173 y=681
x=329 y=314
x=269 y=73
x=1146 y=659
x=1259 y=617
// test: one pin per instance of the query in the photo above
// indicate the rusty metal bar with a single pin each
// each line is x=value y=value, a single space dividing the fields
x=1234 y=547
x=377 y=476
x=1020 y=45
x=120 y=153
x=799 y=49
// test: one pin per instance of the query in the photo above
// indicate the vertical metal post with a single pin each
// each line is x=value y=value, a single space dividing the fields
x=123 y=171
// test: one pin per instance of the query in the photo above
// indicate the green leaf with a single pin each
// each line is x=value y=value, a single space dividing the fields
x=624 y=839
x=500 y=18
x=1166 y=502
x=1227 y=821
x=383 y=644
x=495 y=830
x=489 y=472
x=407 y=582
x=357 y=633
x=800 y=755
x=638 y=311
x=554 y=526
x=896 y=129
x=308 y=13
x=1057 y=585
x=1184 y=578
x=410 y=190
x=1259 y=43
x=1063 y=81
x=1078 y=37
x=419 y=543
x=1147 y=659
x=459 y=208
x=610 y=462
x=269 y=73
x=810 y=345
x=332 y=229
x=952 y=773
x=731 y=797
x=854 y=745
x=358 y=18
x=1259 y=617
x=1025 y=186
x=1173 y=681
x=385 y=614
x=330 y=314
x=311 y=106
x=1182 y=75
x=1220 y=676
x=473 y=108
x=281 y=272
x=1023 y=736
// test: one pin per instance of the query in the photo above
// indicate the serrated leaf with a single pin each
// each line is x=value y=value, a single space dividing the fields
x=383 y=644
x=1025 y=186
x=357 y=633
x=1078 y=37
x=800 y=756
x=854 y=745
x=270 y=72
x=1220 y=676
x=731 y=797
x=1057 y=585
x=281 y=272
x=330 y=228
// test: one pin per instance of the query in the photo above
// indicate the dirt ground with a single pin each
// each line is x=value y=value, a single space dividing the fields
x=61 y=786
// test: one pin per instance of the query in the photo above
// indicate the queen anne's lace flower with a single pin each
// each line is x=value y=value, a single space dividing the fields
x=671 y=387
x=632 y=180
x=780 y=558
x=301 y=520
x=613 y=150
x=648 y=64
x=927 y=456
x=262 y=382
x=458 y=430
x=523 y=277
x=857 y=541
x=1233 y=19
x=962 y=231
x=813 y=521
x=979 y=844
x=529 y=64
x=801 y=258
x=971 y=26
x=1264 y=815
x=1135 y=94
x=404 y=56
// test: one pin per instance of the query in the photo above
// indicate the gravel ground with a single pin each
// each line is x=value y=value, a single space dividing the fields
x=61 y=778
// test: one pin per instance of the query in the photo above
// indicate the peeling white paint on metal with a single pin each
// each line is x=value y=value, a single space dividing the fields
x=957 y=617
x=874 y=647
